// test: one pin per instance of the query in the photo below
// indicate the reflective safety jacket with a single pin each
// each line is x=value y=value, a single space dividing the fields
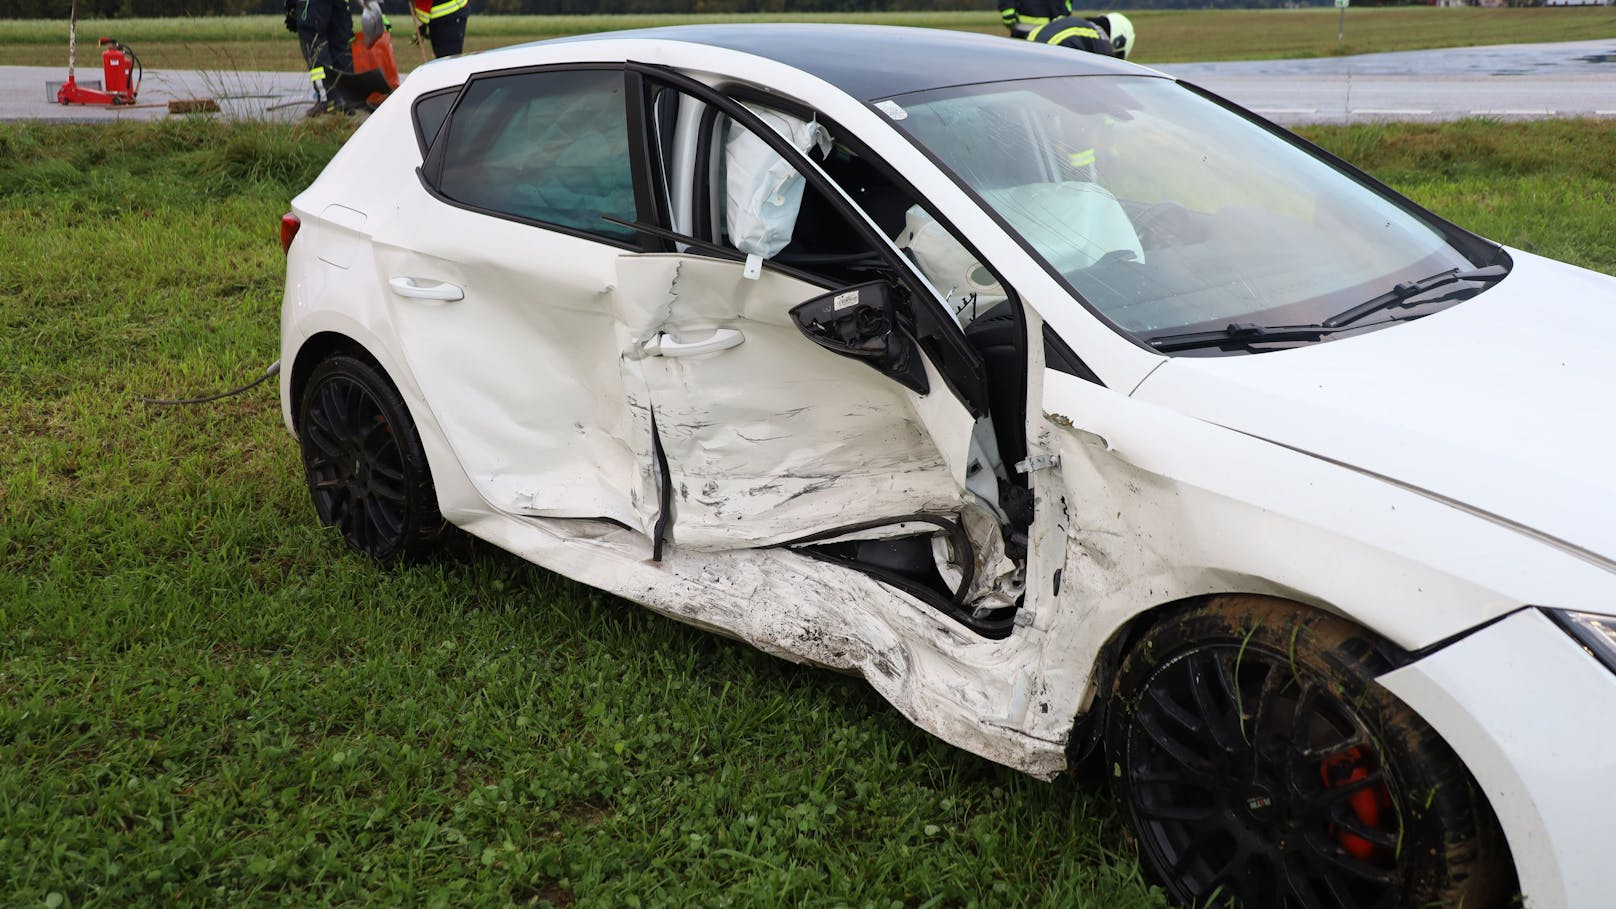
x=1032 y=12
x=428 y=10
x=1075 y=33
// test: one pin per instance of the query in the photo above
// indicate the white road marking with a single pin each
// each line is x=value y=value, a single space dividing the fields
x=1286 y=110
x=1534 y=112
x=1386 y=110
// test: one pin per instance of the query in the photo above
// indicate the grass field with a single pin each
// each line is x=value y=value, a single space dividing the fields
x=205 y=701
x=260 y=42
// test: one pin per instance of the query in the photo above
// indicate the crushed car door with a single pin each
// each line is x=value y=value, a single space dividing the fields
x=766 y=436
x=498 y=267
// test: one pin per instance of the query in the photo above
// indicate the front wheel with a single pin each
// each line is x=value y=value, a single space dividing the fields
x=364 y=463
x=1261 y=765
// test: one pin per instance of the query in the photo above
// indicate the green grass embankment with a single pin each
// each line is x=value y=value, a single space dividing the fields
x=204 y=700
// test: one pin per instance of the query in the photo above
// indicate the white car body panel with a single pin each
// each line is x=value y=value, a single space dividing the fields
x=1513 y=383
x=1177 y=477
x=809 y=440
x=1534 y=718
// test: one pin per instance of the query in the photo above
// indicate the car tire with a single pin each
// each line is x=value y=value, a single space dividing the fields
x=363 y=460
x=1259 y=764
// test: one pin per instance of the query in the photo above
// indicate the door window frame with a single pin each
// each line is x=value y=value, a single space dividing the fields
x=647 y=207
x=957 y=362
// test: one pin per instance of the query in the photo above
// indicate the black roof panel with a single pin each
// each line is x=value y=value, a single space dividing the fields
x=879 y=61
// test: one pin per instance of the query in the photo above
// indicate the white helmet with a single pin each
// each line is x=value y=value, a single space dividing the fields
x=1121 y=31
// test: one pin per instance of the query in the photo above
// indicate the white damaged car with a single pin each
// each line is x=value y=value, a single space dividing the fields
x=1071 y=406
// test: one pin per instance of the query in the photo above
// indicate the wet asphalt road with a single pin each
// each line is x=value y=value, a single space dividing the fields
x=1517 y=81
x=1513 y=81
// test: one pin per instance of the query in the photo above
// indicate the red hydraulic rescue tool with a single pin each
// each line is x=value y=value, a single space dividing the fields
x=120 y=71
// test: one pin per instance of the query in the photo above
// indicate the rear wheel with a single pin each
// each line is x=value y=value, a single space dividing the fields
x=363 y=460
x=1261 y=765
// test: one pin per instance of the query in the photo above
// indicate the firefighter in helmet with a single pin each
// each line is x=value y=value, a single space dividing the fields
x=1021 y=17
x=1110 y=35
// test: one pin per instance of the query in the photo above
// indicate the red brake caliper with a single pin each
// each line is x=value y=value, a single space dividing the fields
x=1370 y=804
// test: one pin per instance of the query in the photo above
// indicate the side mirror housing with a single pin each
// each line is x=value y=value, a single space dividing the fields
x=860 y=322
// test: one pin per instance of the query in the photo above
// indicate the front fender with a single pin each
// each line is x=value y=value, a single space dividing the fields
x=1164 y=506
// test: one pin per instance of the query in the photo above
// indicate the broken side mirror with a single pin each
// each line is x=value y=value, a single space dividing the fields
x=860 y=322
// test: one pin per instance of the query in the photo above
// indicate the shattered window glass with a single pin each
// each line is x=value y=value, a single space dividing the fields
x=547 y=146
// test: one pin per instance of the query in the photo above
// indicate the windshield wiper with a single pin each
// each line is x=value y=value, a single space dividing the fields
x=1402 y=292
x=1238 y=334
x=1245 y=334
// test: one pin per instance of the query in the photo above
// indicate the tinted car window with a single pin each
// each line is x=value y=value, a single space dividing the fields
x=546 y=146
x=430 y=112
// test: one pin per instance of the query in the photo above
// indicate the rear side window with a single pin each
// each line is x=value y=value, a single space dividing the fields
x=547 y=146
x=430 y=112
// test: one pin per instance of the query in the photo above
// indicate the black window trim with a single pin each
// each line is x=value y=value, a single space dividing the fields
x=430 y=172
x=415 y=116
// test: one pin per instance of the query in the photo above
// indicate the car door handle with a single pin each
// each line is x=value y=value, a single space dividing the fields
x=425 y=289
x=721 y=339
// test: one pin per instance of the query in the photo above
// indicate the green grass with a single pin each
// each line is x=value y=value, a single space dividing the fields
x=205 y=701
x=260 y=42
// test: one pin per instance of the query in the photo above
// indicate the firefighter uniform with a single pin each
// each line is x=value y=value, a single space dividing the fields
x=443 y=22
x=324 y=32
x=1022 y=16
x=1075 y=33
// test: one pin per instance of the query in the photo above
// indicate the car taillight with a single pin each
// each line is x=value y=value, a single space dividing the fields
x=289 y=226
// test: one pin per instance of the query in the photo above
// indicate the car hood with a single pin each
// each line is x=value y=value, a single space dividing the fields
x=1501 y=405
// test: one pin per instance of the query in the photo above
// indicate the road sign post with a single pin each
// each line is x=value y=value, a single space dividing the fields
x=1341 y=25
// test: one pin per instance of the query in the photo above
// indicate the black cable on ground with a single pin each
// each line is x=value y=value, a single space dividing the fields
x=270 y=373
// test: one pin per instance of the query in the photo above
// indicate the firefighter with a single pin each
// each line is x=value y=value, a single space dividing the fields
x=443 y=22
x=1110 y=35
x=324 y=31
x=1021 y=17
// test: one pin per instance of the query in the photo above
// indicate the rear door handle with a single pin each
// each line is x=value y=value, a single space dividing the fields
x=721 y=339
x=426 y=289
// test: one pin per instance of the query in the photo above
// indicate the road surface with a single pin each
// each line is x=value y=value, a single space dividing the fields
x=1516 y=81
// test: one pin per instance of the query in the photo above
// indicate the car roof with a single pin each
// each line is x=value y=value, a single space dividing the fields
x=879 y=61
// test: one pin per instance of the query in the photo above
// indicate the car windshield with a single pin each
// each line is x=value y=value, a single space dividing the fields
x=1165 y=211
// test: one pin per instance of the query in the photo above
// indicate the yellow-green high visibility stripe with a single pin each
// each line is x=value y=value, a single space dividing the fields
x=1080 y=30
x=1082 y=158
x=1008 y=15
x=1034 y=20
x=439 y=10
x=317 y=74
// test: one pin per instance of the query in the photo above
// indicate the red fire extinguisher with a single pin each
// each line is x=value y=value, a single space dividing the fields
x=117 y=67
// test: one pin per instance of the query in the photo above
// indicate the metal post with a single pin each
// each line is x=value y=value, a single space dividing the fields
x=1341 y=25
x=72 y=38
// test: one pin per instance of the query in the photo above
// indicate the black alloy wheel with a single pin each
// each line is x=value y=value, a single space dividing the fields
x=1261 y=766
x=364 y=463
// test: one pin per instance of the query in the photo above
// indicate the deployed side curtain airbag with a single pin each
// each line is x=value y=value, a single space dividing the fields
x=762 y=191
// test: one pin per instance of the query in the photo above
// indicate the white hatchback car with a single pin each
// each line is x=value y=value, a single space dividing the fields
x=1069 y=405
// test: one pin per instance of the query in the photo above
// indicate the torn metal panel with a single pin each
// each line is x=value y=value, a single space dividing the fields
x=958 y=687
x=774 y=438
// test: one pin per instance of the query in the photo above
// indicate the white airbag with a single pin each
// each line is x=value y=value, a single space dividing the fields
x=1074 y=224
x=762 y=191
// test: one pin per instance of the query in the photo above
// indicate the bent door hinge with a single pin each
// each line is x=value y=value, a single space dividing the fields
x=1038 y=462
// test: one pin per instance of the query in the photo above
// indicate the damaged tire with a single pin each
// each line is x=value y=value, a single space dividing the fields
x=364 y=463
x=1260 y=765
